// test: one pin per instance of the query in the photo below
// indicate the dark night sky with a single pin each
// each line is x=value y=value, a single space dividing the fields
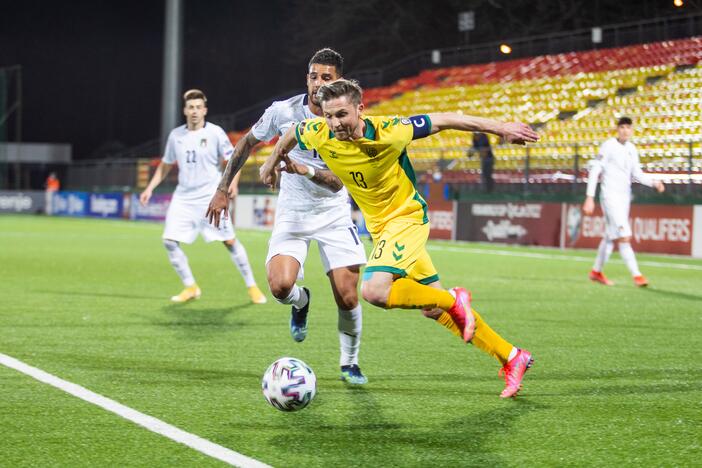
x=92 y=69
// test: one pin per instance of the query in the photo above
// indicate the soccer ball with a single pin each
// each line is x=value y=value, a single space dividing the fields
x=289 y=384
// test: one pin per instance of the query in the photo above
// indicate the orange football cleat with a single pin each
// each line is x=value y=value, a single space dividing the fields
x=462 y=314
x=640 y=281
x=599 y=277
x=514 y=371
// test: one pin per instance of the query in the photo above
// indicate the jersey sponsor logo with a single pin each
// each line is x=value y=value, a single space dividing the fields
x=332 y=154
x=406 y=121
x=203 y=143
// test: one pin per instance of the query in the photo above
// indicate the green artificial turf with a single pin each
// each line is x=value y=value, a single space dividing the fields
x=617 y=379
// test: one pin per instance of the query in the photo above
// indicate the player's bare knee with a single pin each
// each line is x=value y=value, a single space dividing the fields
x=279 y=285
x=374 y=294
x=347 y=300
x=280 y=289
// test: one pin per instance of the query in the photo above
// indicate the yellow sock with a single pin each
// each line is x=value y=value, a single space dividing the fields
x=486 y=339
x=408 y=294
x=446 y=321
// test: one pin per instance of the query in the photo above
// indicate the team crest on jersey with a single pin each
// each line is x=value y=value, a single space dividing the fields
x=370 y=151
x=203 y=143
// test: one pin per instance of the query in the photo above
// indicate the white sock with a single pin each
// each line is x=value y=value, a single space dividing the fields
x=350 y=325
x=603 y=253
x=512 y=353
x=629 y=258
x=241 y=260
x=297 y=297
x=179 y=262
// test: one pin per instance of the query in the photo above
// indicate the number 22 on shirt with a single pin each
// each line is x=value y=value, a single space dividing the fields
x=190 y=156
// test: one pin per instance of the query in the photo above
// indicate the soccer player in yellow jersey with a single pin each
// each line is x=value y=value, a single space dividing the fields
x=369 y=155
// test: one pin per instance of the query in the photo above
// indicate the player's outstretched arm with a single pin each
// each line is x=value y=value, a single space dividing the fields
x=513 y=132
x=161 y=172
x=233 y=189
x=322 y=177
x=267 y=171
x=241 y=154
x=220 y=200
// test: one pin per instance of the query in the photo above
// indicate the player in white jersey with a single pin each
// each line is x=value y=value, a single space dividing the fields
x=311 y=207
x=617 y=165
x=199 y=148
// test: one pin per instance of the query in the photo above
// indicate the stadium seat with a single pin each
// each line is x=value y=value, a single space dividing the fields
x=574 y=99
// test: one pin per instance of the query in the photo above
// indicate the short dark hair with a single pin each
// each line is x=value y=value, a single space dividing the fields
x=194 y=94
x=624 y=121
x=340 y=88
x=330 y=57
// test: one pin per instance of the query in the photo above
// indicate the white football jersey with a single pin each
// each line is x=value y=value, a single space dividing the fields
x=618 y=165
x=301 y=195
x=199 y=154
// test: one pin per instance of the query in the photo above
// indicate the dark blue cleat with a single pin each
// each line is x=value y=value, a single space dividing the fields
x=352 y=374
x=298 y=320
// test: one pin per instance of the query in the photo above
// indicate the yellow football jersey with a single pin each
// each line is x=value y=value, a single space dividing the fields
x=375 y=169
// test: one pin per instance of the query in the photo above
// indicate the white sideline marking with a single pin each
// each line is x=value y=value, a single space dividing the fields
x=155 y=425
x=544 y=256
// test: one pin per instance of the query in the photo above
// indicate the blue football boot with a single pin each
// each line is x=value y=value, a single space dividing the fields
x=352 y=374
x=298 y=319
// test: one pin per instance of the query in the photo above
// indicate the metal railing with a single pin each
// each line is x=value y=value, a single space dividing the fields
x=676 y=161
x=679 y=162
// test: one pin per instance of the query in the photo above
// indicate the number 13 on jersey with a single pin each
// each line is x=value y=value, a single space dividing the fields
x=358 y=178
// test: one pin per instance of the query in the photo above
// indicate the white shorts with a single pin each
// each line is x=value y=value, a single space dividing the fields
x=339 y=244
x=185 y=220
x=616 y=215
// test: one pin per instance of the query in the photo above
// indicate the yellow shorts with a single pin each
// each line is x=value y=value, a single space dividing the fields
x=401 y=249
